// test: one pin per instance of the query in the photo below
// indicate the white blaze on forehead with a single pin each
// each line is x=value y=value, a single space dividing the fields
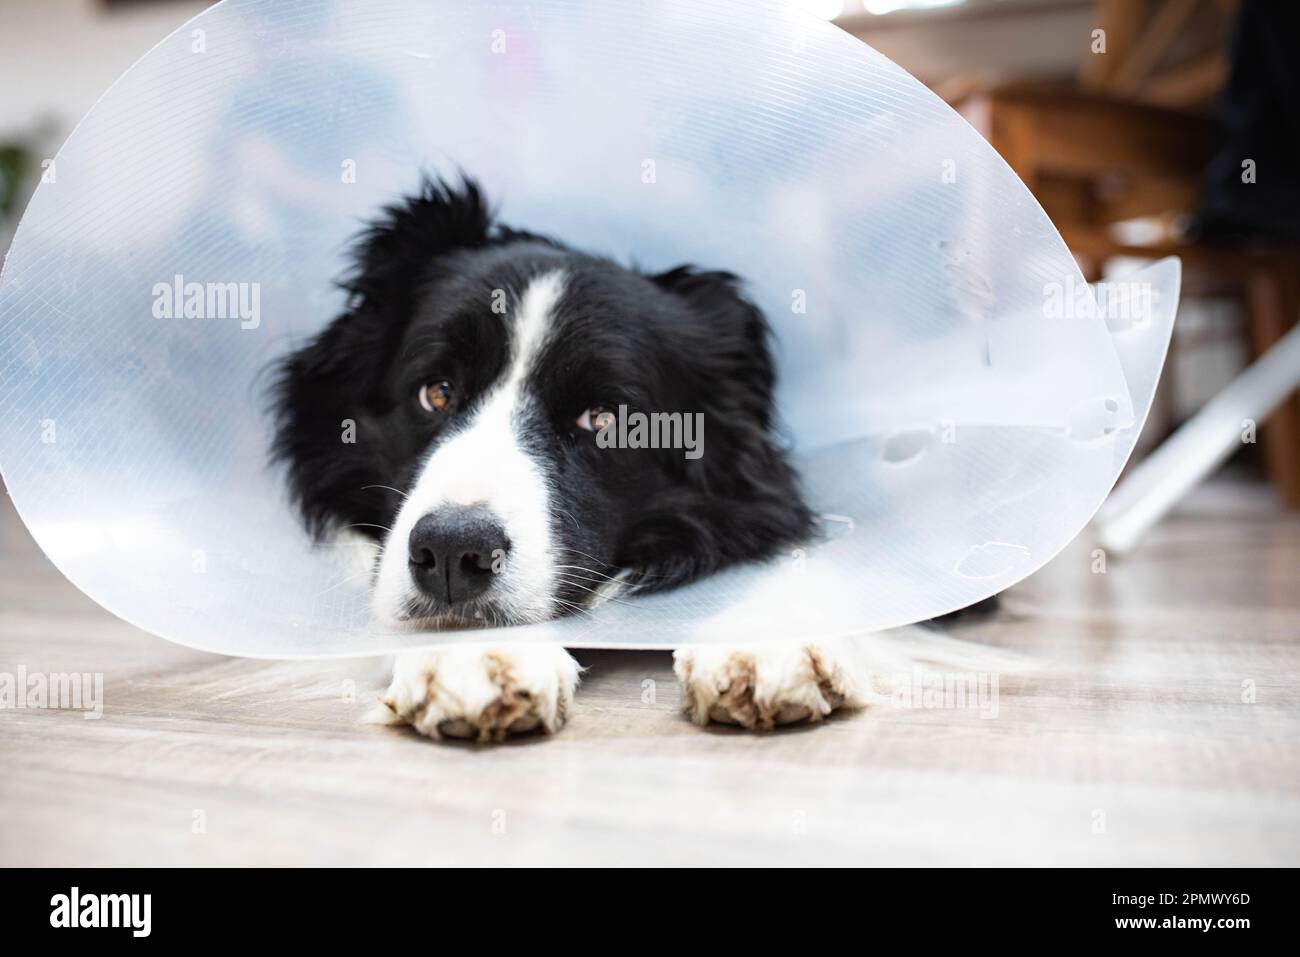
x=497 y=422
x=532 y=323
x=487 y=463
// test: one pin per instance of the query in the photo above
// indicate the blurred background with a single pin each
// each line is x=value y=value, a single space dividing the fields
x=1144 y=127
x=1163 y=728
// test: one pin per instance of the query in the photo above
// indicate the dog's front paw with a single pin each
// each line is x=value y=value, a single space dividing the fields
x=766 y=684
x=468 y=691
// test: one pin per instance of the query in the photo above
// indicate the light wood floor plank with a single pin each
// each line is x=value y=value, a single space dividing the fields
x=1130 y=742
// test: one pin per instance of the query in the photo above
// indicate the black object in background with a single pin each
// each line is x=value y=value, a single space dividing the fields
x=1259 y=114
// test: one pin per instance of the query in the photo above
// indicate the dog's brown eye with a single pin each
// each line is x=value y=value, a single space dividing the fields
x=597 y=417
x=436 y=396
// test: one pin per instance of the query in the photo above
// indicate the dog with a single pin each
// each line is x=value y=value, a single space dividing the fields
x=485 y=371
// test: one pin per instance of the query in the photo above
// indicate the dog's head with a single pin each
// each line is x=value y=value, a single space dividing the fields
x=521 y=425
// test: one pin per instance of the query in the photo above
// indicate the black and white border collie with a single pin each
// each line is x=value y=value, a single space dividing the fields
x=458 y=417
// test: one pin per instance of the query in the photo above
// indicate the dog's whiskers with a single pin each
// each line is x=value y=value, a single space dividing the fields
x=591 y=571
x=368 y=573
x=572 y=606
x=641 y=577
x=579 y=551
x=368 y=525
x=570 y=516
x=572 y=583
x=388 y=488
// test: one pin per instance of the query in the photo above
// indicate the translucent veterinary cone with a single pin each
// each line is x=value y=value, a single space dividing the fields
x=958 y=408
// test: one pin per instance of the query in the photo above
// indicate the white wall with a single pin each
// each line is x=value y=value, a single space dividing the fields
x=1018 y=39
x=58 y=56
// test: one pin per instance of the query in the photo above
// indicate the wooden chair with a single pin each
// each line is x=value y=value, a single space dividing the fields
x=1095 y=160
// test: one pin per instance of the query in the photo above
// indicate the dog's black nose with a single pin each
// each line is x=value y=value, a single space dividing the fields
x=455 y=552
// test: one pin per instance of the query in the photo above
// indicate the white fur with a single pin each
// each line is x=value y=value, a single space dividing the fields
x=764 y=684
x=360 y=552
x=485 y=463
x=473 y=691
x=490 y=692
x=484 y=692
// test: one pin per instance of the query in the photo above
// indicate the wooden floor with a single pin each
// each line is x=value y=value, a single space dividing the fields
x=1162 y=726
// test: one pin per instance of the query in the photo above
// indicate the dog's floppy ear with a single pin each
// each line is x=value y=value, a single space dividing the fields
x=330 y=394
x=733 y=341
x=741 y=499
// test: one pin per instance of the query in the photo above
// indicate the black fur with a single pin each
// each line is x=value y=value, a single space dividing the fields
x=685 y=340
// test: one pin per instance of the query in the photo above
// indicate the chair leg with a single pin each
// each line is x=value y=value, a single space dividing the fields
x=1273 y=296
